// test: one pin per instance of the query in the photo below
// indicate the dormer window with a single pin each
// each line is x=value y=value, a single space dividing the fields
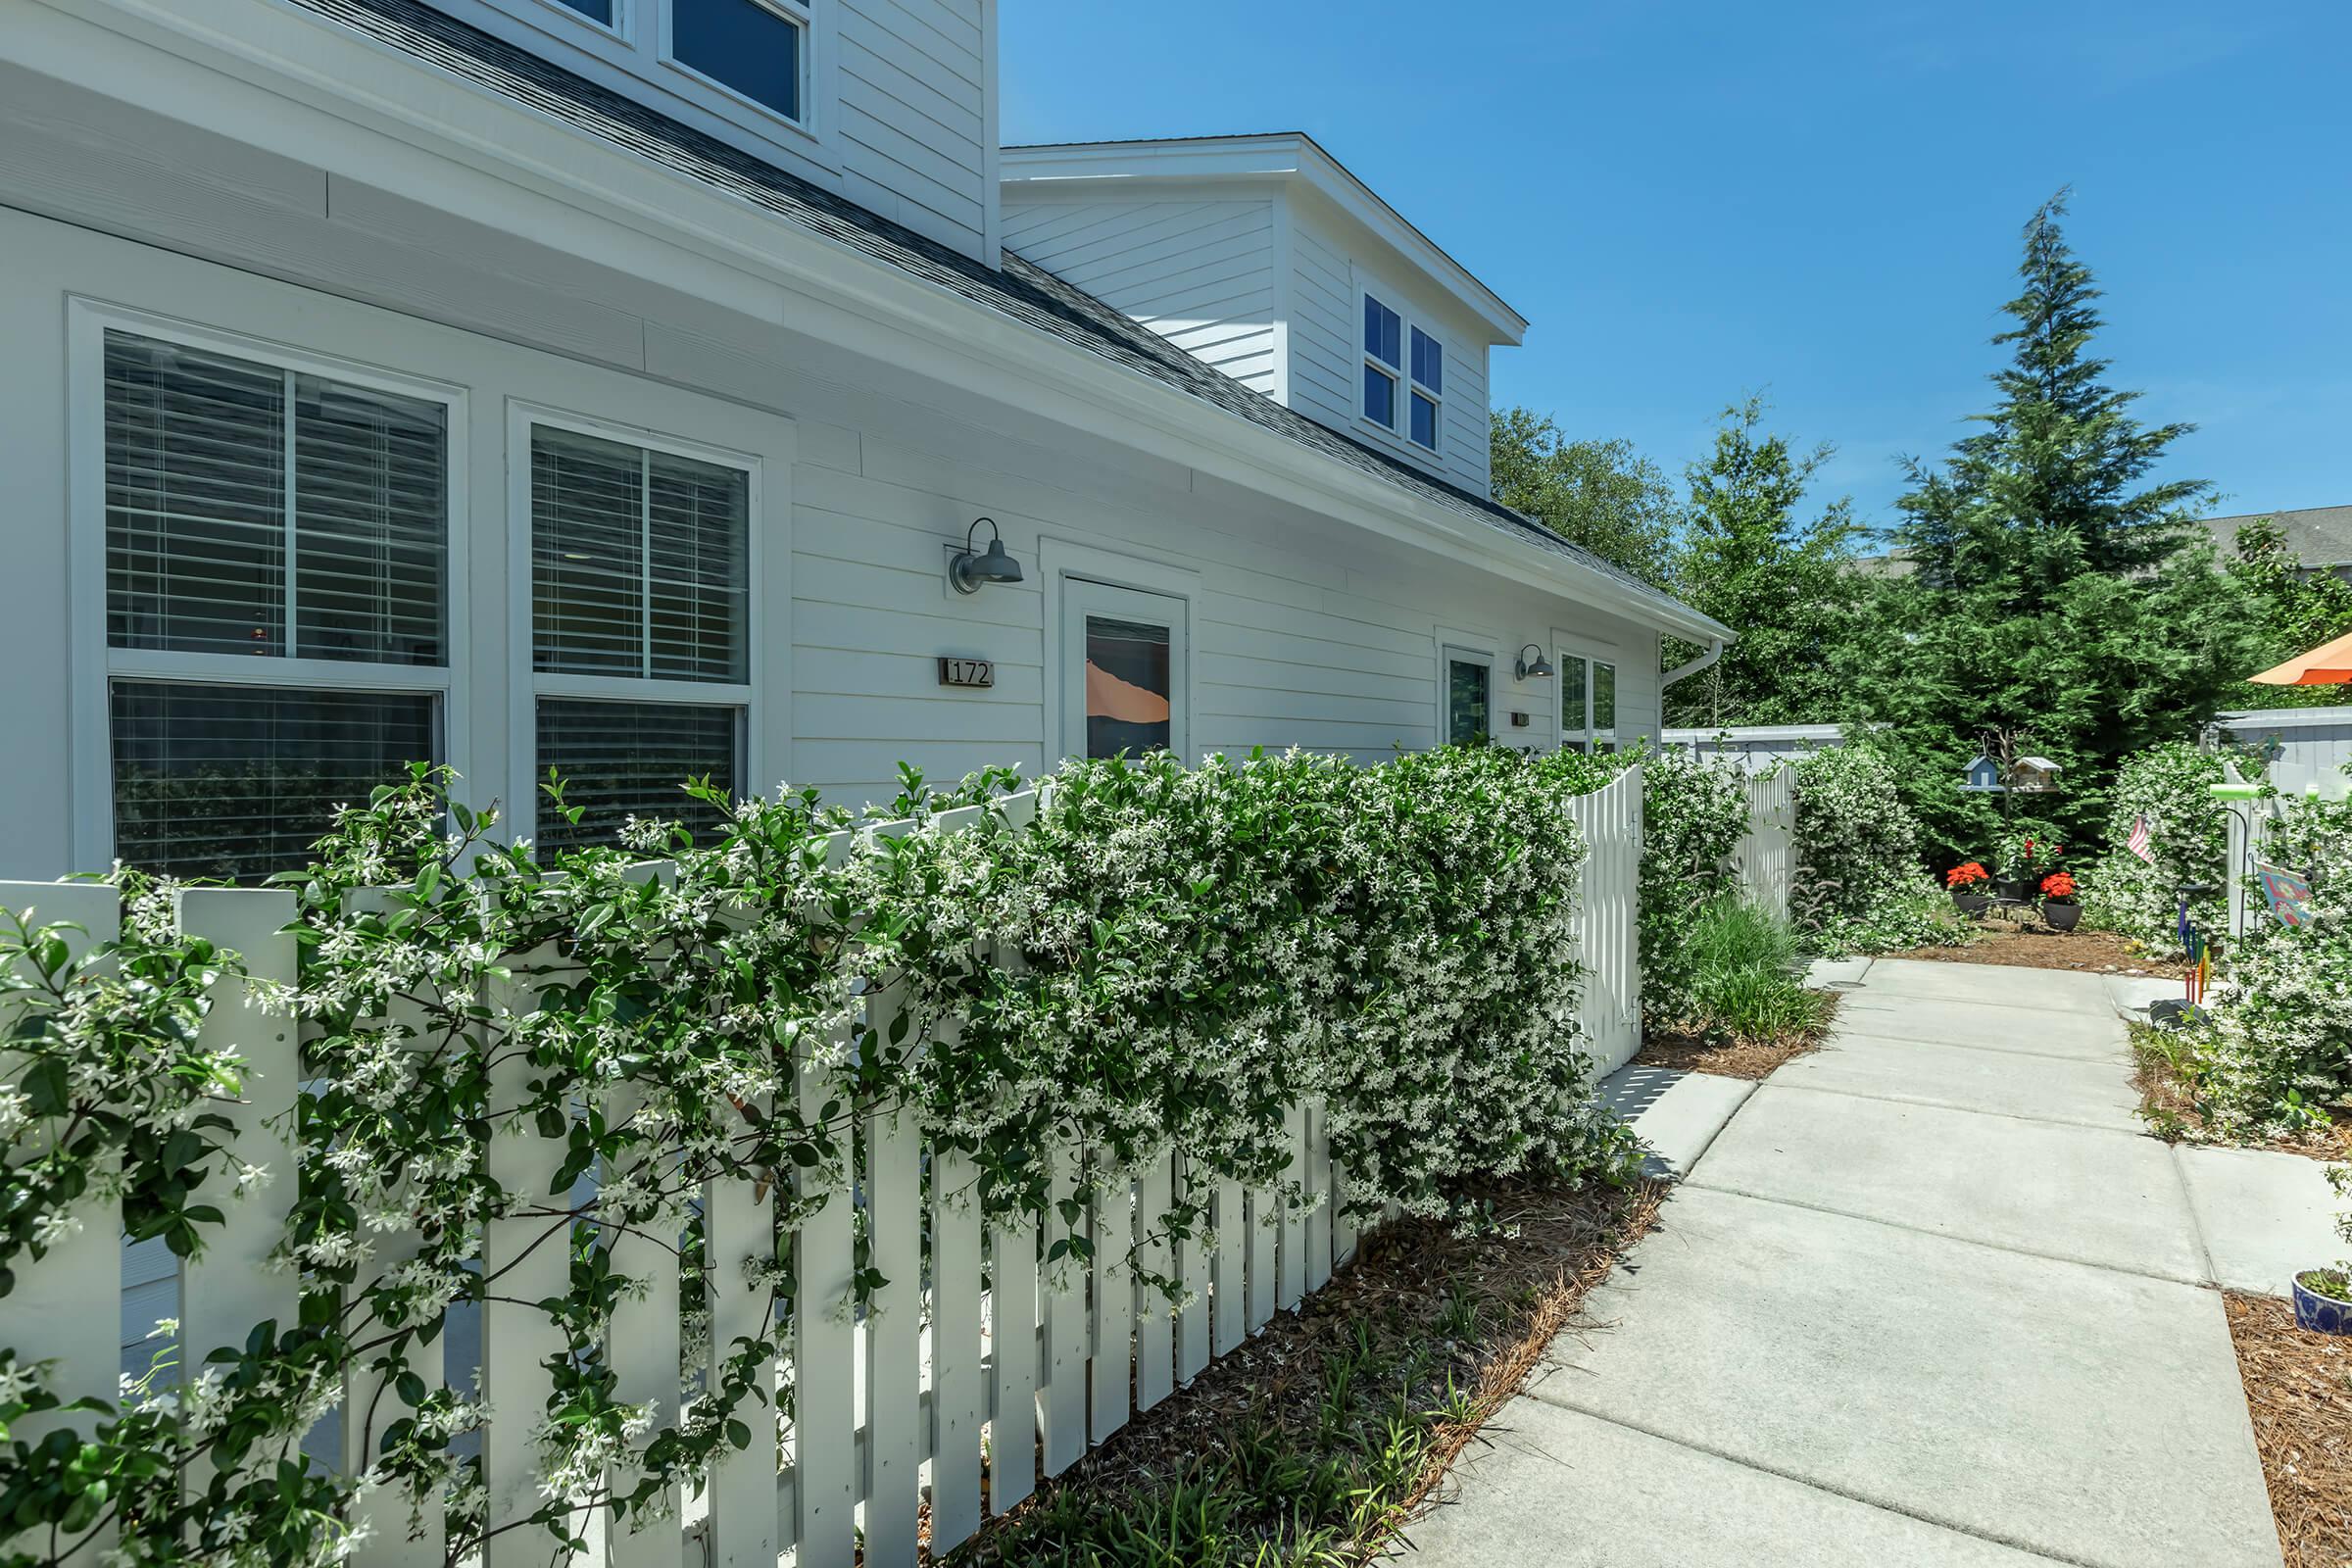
x=1428 y=387
x=755 y=49
x=1402 y=392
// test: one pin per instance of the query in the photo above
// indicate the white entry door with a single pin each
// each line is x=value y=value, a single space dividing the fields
x=1123 y=671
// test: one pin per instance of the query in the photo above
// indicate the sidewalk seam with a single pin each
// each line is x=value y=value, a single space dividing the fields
x=1946 y=1525
x=1964 y=1110
x=2121 y=1057
x=2196 y=1226
x=1964 y=1241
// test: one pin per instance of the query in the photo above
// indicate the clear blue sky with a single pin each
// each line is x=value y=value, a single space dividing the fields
x=1819 y=201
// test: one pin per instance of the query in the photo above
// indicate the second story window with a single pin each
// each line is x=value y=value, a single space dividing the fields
x=1405 y=375
x=755 y=49
x=1383 y=362
x=1429 y=388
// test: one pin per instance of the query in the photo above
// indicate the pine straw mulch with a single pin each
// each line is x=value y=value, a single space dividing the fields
x=1681 y=1050
x=1530 y=1277
x=2037 y=947
x=2299 y=1392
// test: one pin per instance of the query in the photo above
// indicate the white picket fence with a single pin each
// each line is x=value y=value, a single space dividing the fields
x=1766 y=859
x=1608 y=910
x=938 y=1394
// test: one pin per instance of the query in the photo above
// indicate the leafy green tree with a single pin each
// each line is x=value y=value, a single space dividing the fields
x=1599 y=492
x=1786 y=584
x=2296 y=610
x=2058 y=591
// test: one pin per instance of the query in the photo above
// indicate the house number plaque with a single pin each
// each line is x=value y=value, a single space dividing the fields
x=967 y=673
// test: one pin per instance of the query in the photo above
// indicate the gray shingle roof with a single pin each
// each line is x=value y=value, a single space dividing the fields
x=1020 y=289
x=2320 y=537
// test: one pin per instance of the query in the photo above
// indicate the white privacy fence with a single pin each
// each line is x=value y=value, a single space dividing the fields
x=1757 y=748
x=1766 y=859
x=914 y=1418
x=1609 y=905
x=2308 y=748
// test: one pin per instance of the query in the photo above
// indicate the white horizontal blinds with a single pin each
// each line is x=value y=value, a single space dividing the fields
x=200 y=451
x=195 y=499
x=698 y=575
x=588 y=527
x=234 y=782
x=641 y=572
x=625 y=760
x=372 y=524
x=256 y=511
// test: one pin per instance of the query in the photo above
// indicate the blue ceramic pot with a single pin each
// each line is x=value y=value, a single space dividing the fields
x=2321 y=1314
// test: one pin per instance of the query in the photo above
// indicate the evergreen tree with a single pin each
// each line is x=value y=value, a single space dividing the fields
x=1600 y=493
x=1786 y=586
x=2058 y=590
x=2296 y=610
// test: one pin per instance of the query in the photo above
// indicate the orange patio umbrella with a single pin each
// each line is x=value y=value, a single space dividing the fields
x=2328 y=665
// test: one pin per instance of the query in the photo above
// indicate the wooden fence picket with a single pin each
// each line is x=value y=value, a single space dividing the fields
x=1014 y=1332
x=1062 y=1292
x=893 y=1428
x=1196 y=1273
x=959 y=1387
x=1155 y=1324
x=1231 y=1317
x=823 y=1354
x=1262 y=1230
x=1113 y=1297
x=1318 y=1188
x=1291 y=1273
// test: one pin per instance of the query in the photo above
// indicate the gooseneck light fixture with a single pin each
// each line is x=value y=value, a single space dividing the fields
x=1540 y=669
x=968 y=571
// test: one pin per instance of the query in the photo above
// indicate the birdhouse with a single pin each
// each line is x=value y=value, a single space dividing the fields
x=1985 y=776
x=2034 y=775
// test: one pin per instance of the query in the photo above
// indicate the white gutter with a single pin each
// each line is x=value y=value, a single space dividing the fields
x=1715 y=647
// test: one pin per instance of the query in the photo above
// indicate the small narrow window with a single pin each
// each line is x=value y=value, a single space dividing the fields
x=757 y=48
x=1604 y=706
x=1384 y=359
x=1129 y=687
x=1429 y=388
x=640 y=566
x=1576 y=717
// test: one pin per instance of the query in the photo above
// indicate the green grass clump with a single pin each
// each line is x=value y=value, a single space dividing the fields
x=1747 y=983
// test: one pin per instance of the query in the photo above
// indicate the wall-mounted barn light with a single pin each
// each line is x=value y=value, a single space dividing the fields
x=1540 y=669
x=968 y=571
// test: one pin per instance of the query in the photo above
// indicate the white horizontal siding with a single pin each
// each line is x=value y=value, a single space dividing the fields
x=1201 y=274
x=912 y=80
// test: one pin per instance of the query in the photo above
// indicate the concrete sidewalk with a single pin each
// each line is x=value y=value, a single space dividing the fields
x=1926 y=1297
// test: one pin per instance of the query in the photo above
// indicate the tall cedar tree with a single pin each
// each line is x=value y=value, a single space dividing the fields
x=2055 y=592
x=1599 y=492
x=2297 y=611
x=1787 y=587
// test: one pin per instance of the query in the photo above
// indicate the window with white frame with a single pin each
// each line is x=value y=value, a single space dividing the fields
x=1404 y=374
x=276 y=598
x=1427 y=397
x=1587 y=704
x=755 y=49
x=640 y=628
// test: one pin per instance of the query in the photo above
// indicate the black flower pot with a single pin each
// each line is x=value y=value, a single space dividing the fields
x=1972 y=903
x=2321 y=1314
x=2062 y=916
x=2012 y=889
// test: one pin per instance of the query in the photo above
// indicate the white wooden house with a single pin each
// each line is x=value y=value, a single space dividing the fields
x=608 y=386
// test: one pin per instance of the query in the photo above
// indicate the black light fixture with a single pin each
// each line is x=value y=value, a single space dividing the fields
x=967 y=572
x=1540 y=669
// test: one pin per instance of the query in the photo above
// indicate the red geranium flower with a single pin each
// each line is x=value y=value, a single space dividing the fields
x=1966 y=876
x=2058 y=885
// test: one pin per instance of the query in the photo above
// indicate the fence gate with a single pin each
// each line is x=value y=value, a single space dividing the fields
x=1609 y=936
x=1766 y=859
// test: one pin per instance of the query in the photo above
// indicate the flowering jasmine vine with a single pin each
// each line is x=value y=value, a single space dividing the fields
x=1155 y=960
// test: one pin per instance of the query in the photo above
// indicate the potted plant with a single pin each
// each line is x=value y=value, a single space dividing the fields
x=2024 y=858
x=2323 y=1296
x=2059 y=910
x=1969 y=882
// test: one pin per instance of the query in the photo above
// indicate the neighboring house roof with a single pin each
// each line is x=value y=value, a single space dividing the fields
x=1021 y=290
x=1278 y=155
x=2320 y=537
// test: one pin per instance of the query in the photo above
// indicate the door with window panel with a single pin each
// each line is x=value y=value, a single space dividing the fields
x=277 y=611
x=1125 y=658
x=1469 y=697
x=639 y=559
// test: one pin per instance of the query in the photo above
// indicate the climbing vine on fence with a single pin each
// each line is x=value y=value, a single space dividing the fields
x=1165 y=960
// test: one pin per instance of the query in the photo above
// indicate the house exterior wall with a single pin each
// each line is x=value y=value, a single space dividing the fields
x=1200 y=272
x=1304 y=630
x=903 y=100
x=2313 y=746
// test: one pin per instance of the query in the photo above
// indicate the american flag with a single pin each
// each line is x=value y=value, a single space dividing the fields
x=2138 y=842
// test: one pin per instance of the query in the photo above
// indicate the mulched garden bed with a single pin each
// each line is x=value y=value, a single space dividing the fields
x=1681 y=1051
x=2299 y=1392
x=2027 y=946
x=1427 y=1322
x=2169 y=1104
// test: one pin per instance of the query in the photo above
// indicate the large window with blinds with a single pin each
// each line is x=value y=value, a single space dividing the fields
x=277 y=552
x=640 y=570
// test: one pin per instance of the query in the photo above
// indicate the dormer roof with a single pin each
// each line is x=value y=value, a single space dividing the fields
x=1291 y=157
